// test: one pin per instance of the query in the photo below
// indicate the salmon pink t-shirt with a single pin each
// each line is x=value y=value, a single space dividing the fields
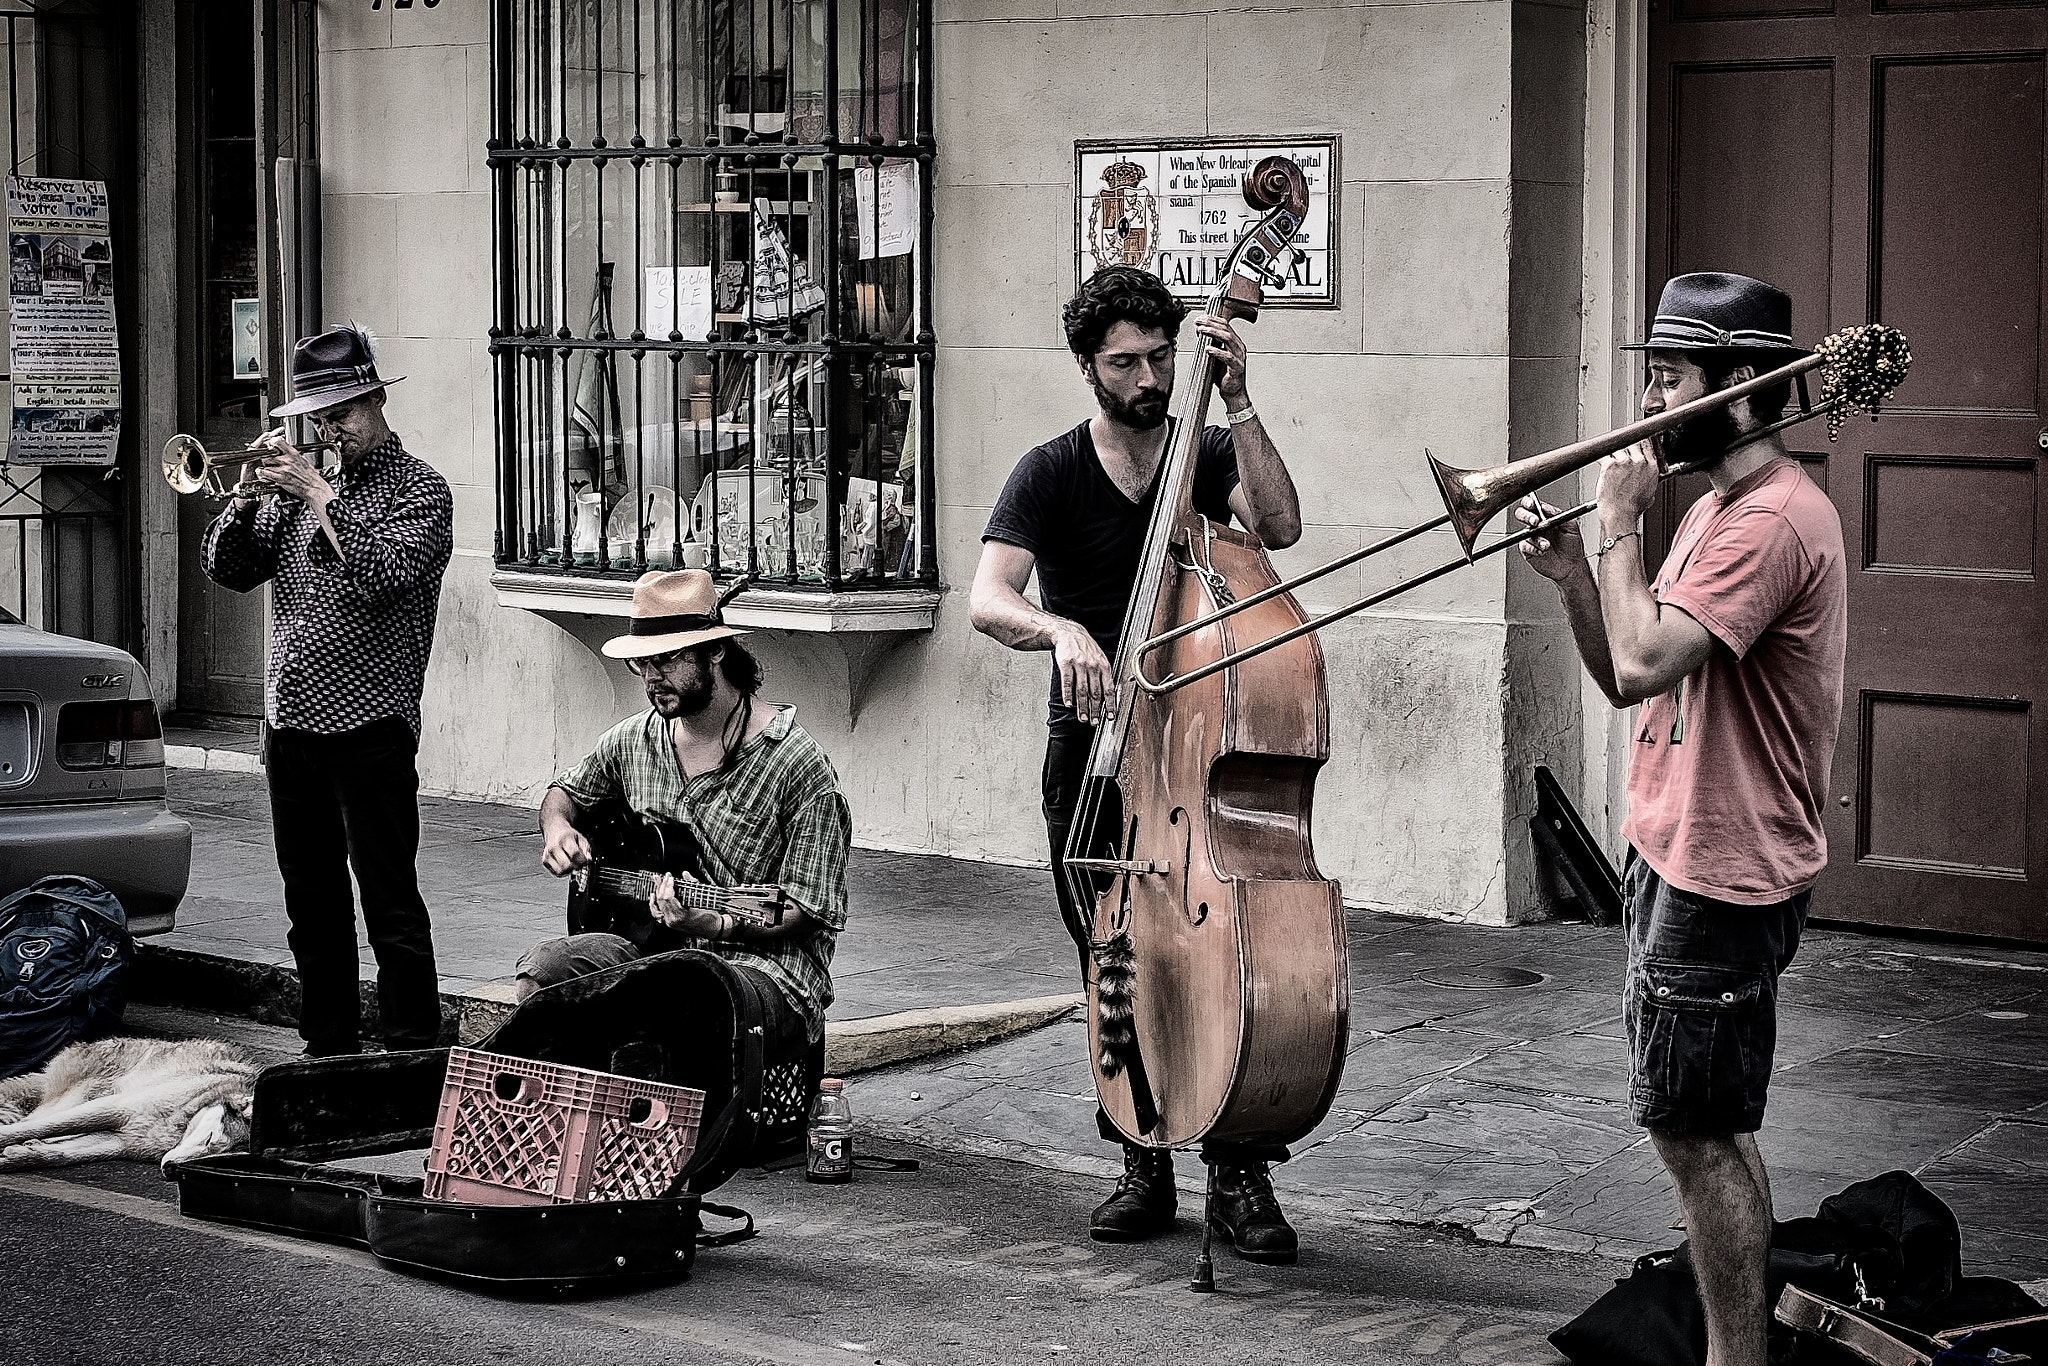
x=1729 y=769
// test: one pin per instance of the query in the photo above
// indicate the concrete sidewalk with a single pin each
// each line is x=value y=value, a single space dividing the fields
x=1497 y=1110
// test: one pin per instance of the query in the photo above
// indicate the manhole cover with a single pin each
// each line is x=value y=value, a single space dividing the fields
x=1481 y=977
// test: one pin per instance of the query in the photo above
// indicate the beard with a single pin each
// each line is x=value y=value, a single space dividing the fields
x=1141 y=413
x=1702 y=442
x=687 y=698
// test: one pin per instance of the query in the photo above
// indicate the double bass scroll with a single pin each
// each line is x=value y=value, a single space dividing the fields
x=1218 y=978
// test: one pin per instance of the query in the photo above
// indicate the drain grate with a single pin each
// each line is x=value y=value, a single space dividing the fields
x=1481 y=978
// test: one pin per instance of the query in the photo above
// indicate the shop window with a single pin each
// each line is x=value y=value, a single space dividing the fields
x=712 y=272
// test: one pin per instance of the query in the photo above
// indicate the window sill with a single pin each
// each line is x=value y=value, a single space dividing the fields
x=849 y=633
x=766 y=608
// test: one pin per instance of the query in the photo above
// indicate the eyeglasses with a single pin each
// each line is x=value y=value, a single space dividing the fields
x=653 y=663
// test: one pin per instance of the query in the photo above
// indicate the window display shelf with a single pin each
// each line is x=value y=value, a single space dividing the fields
x=766 y=608
x=846 y=634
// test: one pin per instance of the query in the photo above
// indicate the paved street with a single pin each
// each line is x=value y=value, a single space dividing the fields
x=969 y=1260
x=1498 y=1111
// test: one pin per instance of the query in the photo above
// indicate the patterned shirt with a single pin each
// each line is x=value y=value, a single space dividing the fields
x=351 y=634
x=772 y=816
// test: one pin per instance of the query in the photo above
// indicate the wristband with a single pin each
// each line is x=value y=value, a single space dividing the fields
x=1613 y=541
x=1242 y=416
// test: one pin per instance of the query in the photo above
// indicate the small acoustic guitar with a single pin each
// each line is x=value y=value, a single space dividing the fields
x=629 y=853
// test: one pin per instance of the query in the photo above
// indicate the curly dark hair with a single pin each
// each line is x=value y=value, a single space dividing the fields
x=1117 y=294
x=739 y=666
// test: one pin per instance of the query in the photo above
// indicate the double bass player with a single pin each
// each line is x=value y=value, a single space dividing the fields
x=1075 y=510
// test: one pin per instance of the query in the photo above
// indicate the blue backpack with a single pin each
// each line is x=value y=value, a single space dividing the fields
x=64 y=956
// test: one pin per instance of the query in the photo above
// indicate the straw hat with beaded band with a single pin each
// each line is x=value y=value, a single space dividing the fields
x=673 y=610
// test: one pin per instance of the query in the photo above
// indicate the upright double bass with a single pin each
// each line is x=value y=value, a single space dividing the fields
x=1218 y=984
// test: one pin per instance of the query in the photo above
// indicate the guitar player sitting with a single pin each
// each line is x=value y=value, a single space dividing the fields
x=709 y=821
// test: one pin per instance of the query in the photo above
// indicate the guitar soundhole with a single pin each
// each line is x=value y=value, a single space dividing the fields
x=1201 y=913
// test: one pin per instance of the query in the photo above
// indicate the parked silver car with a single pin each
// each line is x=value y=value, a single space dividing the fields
x=82 y=775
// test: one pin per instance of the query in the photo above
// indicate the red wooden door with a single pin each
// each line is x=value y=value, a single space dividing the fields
x=1883 y=160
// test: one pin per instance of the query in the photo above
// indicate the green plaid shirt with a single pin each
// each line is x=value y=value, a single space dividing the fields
x=774 y=815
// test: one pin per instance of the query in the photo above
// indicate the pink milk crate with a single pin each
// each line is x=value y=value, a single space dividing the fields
x=512 y=1131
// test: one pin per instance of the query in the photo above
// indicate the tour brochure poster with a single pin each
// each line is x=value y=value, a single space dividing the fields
x=65 y=361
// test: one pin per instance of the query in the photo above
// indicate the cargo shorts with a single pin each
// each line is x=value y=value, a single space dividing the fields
x=1700 y=1003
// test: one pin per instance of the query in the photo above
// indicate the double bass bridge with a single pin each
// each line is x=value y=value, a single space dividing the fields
x=1134 y=867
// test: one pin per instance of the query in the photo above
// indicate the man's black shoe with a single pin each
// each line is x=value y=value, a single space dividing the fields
x=1242 y=1209
x=1141 y=1206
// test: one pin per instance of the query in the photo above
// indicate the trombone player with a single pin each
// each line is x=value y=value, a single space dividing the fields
x=1735 y=650
x=355 y=555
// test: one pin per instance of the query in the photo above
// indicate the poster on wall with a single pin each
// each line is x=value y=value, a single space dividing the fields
x=1176 y=208
x=63 y=350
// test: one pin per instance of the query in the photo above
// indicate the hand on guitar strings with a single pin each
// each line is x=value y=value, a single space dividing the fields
x=668 y=909
x=565 y=850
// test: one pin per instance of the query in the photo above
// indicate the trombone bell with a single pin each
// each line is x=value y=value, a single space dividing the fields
x=1471 y=497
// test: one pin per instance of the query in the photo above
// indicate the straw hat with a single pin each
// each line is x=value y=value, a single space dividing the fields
x=673 y=610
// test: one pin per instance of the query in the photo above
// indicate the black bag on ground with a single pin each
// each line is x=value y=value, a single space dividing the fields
x=660 y=1019
x=687 y=1018
x=1888 y=1239
x=64 y=958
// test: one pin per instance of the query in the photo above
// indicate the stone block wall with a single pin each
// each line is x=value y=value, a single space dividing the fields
x=1458 y=218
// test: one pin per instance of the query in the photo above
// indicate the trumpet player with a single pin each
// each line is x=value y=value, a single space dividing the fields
x=355 y=555
x=1734 y=647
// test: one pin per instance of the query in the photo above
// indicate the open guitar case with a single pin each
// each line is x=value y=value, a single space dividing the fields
x=685 y=1018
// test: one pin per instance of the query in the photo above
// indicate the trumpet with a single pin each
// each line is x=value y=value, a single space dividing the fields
x=190 y=468
x=1859 y=369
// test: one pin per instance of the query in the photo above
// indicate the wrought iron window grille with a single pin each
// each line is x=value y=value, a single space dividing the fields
x=711 y=336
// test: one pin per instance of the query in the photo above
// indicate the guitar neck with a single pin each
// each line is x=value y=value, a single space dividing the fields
x=638 y=884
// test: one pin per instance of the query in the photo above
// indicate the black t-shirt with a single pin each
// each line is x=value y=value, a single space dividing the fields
x=1062 y=506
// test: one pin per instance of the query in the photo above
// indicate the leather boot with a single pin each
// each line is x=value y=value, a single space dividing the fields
x=1243 y=1209
x=1141 y=1206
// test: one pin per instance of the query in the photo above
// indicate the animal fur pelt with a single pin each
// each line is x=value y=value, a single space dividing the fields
x=1116 y=980
x=147 y=1100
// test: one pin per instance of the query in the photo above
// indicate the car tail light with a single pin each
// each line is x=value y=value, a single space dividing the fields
x=143 y=738
x=112 y=734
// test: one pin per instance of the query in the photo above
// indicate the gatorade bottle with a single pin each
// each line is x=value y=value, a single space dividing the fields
x=831 y=1134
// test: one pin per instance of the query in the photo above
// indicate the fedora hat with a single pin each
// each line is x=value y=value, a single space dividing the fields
x=1712 y=308
x=673 y=610
x=331 y=369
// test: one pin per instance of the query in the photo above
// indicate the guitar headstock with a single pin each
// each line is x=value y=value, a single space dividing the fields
x=756 y=905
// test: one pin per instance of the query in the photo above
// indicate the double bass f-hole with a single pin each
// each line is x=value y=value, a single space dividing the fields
x=1179 y=820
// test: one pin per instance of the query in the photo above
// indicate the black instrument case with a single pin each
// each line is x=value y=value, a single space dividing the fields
x=685 y=1018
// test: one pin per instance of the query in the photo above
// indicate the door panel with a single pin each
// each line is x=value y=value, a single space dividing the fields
x=1958 y=223
x=1888 y=166
x=220 y=633
x=1944 y=785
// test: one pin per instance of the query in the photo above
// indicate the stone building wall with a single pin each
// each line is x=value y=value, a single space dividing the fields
x=1459 y=220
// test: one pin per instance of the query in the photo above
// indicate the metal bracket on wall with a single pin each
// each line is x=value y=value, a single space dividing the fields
x=1563 y=840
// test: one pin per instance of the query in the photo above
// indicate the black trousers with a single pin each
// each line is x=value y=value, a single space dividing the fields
x=342 y=801
x=1066 y=767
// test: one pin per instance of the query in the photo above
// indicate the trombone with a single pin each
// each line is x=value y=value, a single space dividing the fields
x=190 y=468
x=1860 y=367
